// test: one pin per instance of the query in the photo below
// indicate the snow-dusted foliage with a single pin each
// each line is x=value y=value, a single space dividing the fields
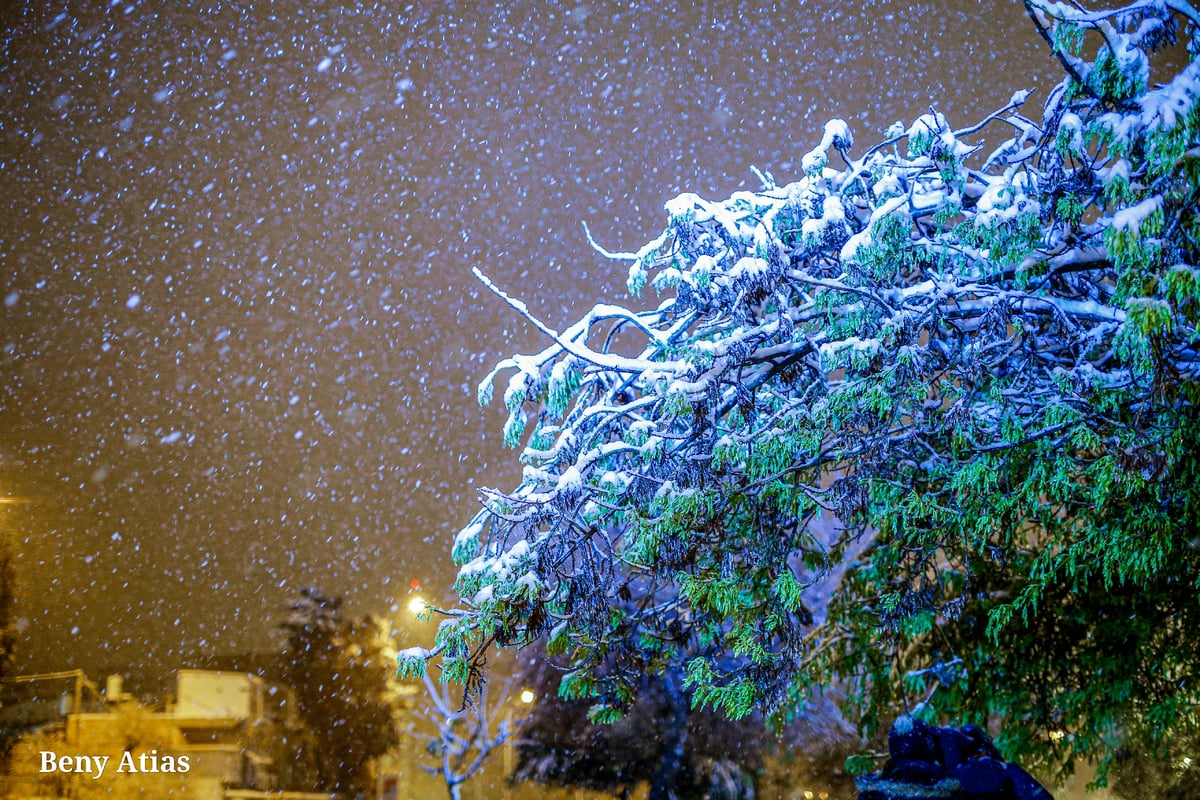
x=982 y=360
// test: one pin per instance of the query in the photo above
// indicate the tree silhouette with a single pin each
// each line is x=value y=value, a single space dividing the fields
x=340 y=673
x=680 y=752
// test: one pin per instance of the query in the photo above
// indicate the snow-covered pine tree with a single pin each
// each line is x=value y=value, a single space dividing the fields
x=982 y=362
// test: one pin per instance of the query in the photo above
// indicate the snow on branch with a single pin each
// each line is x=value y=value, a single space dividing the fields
x=892 y=342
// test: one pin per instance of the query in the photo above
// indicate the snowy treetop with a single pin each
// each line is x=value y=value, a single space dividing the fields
x=881 y=340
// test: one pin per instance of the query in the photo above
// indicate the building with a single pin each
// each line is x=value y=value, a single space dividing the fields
x=215 y=739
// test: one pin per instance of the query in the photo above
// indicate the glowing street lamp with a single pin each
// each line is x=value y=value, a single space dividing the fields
x=527 y=696
x=417 y=606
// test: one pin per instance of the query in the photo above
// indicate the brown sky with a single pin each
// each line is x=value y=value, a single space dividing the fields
x=239 y=336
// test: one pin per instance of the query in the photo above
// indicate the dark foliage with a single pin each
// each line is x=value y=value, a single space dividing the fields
x=680 y=752
x=339 y=673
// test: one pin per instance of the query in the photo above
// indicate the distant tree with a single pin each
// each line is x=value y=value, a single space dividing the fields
x=984 y=362
x=678 y=751
x=340 y=672
x=1171 y=774
x=7 y=635
x=8 y=591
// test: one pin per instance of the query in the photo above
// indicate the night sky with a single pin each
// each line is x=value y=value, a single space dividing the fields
x=239 y=335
